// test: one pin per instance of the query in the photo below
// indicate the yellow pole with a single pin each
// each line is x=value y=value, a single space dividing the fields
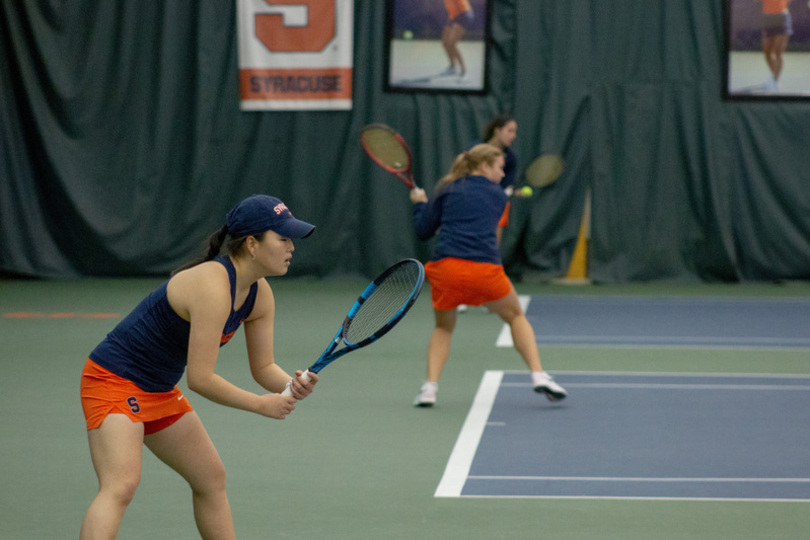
x=578 y=268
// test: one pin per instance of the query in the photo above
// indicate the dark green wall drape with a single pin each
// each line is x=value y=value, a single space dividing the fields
x=122 y=144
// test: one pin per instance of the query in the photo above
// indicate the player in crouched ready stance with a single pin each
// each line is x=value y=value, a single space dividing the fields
x=128 y=386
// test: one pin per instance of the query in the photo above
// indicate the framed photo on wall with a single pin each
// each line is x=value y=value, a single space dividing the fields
x=767 y=50
x=437 y=46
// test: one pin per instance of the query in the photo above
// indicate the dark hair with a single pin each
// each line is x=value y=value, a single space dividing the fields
x=496 y=123
x=217 y=243
x=466 y=162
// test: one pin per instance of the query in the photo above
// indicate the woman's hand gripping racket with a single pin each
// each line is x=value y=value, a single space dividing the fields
x=389 y=150
x=381 y=306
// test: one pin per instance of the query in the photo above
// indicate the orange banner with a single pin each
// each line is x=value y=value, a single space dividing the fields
x=295 y=55
x=305 y=84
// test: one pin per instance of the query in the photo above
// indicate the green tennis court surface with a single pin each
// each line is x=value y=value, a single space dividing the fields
x=355 y=460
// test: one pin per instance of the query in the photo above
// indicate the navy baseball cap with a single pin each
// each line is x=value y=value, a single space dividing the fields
x=259 y=213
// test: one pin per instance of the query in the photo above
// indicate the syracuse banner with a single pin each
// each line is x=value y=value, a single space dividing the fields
x=295 y=54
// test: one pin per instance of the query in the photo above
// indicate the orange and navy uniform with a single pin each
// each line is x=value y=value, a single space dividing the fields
x=136 y=368
x=455 y=8
x=466 y=265
x=776 y=19
x=774 y=6
x=508 y=180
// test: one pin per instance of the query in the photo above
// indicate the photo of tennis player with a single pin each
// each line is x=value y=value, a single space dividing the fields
x=436 y=45
x=767 y=49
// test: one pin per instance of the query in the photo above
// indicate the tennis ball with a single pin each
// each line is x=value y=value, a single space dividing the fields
x=407 y=34
x=526 y=191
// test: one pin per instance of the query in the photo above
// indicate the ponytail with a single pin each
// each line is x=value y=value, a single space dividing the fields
x=466 y=162
x=459 y=168
x=212 y=250
x=215 y=242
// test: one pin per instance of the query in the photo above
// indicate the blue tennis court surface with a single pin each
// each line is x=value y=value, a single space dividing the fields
x=681 y=321
x=646 y=436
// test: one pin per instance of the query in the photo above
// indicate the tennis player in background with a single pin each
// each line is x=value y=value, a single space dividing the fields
x=459 y=15
x=501 y=132
x=777 y=28
x=128 y=386
x=466 y=265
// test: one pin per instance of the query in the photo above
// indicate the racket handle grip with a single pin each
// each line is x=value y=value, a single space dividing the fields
x=287 y=391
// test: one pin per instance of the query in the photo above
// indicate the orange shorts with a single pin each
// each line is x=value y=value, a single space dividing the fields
x=103 y=392
x=458 y=281
x=504 y=221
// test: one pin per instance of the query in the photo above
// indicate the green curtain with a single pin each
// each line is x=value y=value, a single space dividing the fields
x=122 y=145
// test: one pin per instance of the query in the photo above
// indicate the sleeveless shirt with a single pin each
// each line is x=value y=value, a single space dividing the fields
x=150 y=345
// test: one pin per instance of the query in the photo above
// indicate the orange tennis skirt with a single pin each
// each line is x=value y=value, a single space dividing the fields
x=458 y=281
x=103 y=392
x=504 y=221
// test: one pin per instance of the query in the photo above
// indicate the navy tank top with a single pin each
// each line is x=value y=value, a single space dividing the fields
x=150 y=346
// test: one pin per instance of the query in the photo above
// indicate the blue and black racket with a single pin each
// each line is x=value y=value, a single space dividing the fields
x=381 y=306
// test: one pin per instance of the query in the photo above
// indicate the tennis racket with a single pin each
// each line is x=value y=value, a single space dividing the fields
x=544 y=170
x=381 y=306
x=388 y=150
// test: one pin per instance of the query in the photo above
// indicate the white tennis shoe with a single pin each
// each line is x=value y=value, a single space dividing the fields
x=427 y=395
x=543 y=383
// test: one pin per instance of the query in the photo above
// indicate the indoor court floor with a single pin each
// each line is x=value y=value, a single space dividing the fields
x=689 y=430
x=748 y=72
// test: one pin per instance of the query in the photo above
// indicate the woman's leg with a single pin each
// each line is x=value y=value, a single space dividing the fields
x=774 y=49
x=116 y=448
x=451 y=35
x=767 y=48
x=186 y=447
x=778 y=55
x=446 y=31
x=438 y=352
x=508 y=308
x=439 y=345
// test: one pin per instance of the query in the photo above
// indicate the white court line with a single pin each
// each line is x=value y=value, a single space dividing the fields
x=505 y=337
x=458 y=466
x=641 y=479
x=747 y=387
x=756 y=343
x=689 y=374
x=629 y=498
x=693 y=341
x=457 y=471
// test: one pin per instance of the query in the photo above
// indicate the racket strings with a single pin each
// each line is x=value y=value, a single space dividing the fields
x=386 y=148
x=544 y=170
x=385 y=304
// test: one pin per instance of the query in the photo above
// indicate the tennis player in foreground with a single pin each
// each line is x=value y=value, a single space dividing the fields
x=466 y=266
x=128 y=386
